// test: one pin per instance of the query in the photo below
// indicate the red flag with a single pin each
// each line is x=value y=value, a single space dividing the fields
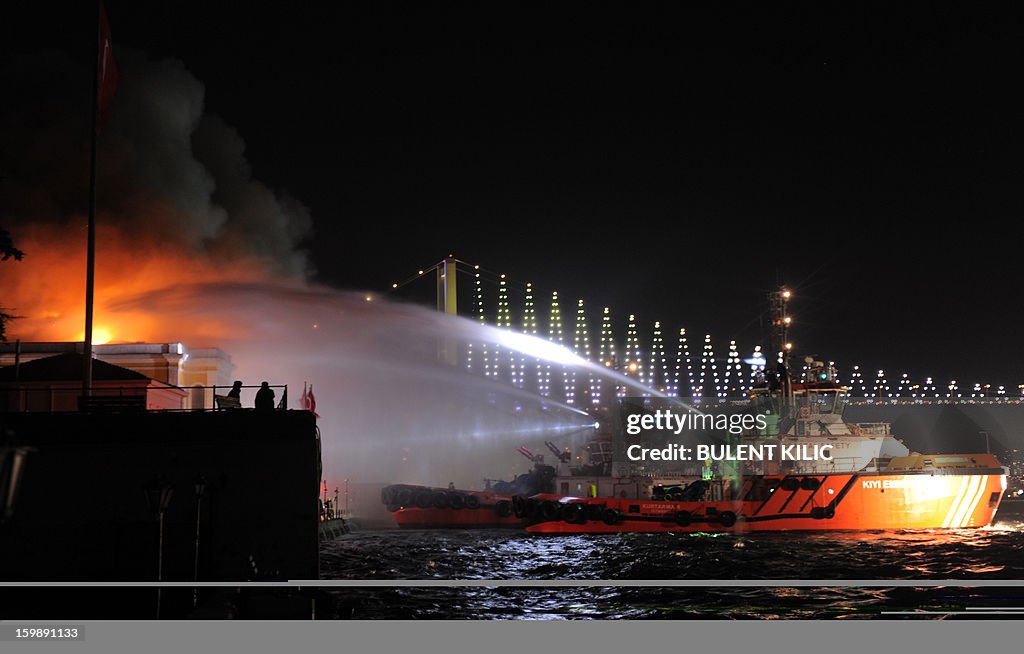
x=312 y=402
x=108 y=74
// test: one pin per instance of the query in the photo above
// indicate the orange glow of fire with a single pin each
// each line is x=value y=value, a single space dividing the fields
x=46 y=290
x=100 y=335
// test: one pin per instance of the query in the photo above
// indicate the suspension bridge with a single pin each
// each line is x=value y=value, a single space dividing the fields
x=667 y=359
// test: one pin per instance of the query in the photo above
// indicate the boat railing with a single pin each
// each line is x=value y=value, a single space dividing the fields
x=836 y=464
x=873 y=428
x=145 y=396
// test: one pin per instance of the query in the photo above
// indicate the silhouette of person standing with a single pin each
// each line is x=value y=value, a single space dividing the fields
x=236 y=391
x=265 y=398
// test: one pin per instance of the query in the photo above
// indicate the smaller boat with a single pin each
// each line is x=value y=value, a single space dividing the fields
x=427 y=507
x=424 y=507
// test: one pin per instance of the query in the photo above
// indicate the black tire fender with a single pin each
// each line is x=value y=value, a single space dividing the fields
x=456 y=500
x=810 y=483
x=575 y=513
x=439 y=500
x=611 y=516
x=549 y=511
x=529 y=508
x=594 y=511
x=424 y=500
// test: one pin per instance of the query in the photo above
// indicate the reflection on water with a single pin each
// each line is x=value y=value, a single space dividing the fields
x=966 y=555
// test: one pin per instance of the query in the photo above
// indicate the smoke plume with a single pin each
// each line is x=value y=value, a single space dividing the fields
x=176 y=201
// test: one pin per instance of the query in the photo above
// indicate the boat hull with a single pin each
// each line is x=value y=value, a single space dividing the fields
x=850 y=501
x=423 y=507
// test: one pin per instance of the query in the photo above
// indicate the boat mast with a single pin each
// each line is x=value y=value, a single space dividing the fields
x=780 y=344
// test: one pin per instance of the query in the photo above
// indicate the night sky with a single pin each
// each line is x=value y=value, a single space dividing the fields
x=668 y=163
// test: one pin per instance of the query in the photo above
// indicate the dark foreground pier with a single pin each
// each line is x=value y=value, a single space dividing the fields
x=225 y=496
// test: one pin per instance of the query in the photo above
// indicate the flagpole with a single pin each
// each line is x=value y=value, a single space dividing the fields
x=90 y=265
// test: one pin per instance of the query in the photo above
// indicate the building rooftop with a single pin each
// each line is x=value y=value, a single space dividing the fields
x=67 y=367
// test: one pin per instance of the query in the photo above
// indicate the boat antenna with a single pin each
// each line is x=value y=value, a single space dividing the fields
x=780 y=343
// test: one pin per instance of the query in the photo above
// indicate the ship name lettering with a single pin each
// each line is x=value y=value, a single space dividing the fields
x=883 y=483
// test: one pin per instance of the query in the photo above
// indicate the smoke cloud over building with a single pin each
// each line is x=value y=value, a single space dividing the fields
x=177 y=200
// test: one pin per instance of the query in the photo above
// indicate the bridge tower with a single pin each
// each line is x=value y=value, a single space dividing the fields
x=447 y=296
x=447 y=302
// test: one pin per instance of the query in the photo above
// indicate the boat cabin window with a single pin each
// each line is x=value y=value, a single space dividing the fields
x=826 y=401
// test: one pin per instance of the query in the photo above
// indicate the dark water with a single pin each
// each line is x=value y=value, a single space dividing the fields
x=995 y=553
